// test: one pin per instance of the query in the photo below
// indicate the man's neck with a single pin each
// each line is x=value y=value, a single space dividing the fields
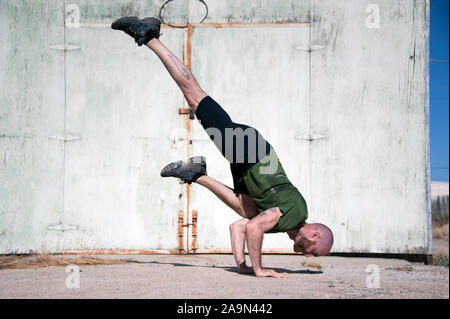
x=293 y=233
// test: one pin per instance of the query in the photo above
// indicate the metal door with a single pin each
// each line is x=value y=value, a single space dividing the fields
x=87 y=120
x=122 y=109
x=31 y=125
x=369 y=103
x=259 y=73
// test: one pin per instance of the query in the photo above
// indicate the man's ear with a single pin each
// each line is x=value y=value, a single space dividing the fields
x=316 y=235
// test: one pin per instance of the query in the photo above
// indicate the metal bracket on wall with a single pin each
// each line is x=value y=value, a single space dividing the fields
x=64 y=137
x=194 y=231
x=183 y=139
x=181 y=226
x=186 y=111
x=64 y=47
x=310 y=137
x=309 y=48
x=180 y=232
x=62 y=227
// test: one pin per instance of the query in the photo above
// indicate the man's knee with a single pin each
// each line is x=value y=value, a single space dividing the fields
x=239 y=225
x=192 y=102
x=234 y=226
x=250 y=227
x=193 y=99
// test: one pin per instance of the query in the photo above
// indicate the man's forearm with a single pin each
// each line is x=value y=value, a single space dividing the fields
x=237 y=232
x=254 y=232
x=254 y=237
x=238 y=244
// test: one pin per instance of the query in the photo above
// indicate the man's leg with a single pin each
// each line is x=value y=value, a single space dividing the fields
x=180 y=73
x=241 y=204
x=147 y=31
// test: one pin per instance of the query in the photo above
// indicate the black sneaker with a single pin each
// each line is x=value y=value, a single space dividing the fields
x=142 y=30
x=188 y=171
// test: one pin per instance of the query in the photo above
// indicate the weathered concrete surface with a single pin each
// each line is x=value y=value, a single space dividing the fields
x=365 y=90
x=369 y=98
x=214 y=276
x=246 y=98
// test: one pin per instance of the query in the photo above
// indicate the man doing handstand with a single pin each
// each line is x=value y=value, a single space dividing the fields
x=263 y=195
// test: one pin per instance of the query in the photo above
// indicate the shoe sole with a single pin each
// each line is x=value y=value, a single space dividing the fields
x=170 y=167
x=175 y=165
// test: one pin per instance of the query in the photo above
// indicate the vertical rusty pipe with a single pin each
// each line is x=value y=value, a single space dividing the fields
x=187 y=57
x=194 y=231
x=180 y=232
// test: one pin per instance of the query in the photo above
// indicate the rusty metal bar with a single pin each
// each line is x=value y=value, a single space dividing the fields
x=249 y=24
x=162 y=252
x=206 y=25
x=187 y=59
x=186 y=111
x=121 y=252
x=194 y=231
x=189 y=47
x=183 y=111
x=180 y=232
x=229 y=251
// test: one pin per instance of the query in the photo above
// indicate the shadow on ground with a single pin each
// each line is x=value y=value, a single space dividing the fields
x=234 y=269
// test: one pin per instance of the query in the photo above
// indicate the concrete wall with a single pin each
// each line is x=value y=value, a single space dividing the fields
x=84 y=131
x=369 y=96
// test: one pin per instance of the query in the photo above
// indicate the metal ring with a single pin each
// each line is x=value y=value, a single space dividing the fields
x=183 y=26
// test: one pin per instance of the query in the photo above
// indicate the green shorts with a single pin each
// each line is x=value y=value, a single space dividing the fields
x=269 y=187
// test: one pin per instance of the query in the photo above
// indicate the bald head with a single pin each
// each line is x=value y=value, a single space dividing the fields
x=315 y=239
x=325 y=242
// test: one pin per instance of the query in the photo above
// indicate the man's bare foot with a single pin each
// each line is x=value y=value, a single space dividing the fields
x=269 y=273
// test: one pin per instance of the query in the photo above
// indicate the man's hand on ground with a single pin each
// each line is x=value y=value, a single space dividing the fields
x=269 y=273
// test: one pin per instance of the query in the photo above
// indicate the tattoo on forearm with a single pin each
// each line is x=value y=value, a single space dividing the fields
x=182 y=68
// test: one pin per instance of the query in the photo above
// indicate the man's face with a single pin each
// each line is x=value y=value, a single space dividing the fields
x=305 y=245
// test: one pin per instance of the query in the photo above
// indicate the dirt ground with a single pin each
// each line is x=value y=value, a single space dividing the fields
x=440 y=247
x=214 y=276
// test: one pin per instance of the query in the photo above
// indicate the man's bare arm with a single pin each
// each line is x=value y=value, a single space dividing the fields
x=254 y=232
x=237 y=233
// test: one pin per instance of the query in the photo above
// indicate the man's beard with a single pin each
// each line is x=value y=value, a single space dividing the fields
x=305 y=243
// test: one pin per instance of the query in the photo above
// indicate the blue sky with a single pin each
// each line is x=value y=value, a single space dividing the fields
x=439 y=115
